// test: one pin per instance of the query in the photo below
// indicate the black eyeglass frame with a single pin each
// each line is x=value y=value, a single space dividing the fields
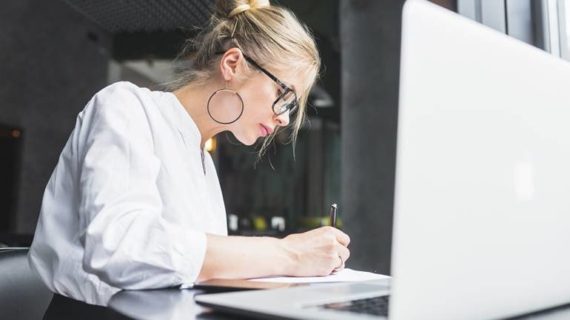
x=291 y=107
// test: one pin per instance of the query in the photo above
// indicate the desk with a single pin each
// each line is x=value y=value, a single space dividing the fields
x=161 y=304
x=174 y=304
x=171 y=304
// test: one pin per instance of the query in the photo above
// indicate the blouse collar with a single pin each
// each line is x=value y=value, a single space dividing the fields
x=185 y=123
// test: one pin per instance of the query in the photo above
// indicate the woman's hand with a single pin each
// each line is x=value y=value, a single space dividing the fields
x=318 y=252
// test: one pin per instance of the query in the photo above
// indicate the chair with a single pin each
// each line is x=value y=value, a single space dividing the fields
x=22 y=294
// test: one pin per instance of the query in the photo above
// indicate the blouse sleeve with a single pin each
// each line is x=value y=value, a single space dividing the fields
x=128 y=243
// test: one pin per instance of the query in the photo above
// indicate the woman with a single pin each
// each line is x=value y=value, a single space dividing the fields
x=134 y=201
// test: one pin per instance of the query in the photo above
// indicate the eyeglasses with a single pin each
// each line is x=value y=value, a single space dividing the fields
x=287 y=100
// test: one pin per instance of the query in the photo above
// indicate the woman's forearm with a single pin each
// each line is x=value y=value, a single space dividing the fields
x=317 y=252
x=235 y=257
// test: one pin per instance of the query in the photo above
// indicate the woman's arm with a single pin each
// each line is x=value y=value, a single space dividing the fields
x=314 y=253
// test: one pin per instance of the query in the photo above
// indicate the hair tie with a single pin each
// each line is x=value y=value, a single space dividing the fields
x=239 y=9
x=253 y=4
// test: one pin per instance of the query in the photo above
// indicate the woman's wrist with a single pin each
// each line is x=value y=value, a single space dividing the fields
x=286 y=257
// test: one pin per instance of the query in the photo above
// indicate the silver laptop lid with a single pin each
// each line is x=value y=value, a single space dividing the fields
x=482 y=207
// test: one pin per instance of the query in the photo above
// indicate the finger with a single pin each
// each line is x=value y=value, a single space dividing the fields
x=337 y=269
x=343 y=253
x=340 y=266
x=341 y=237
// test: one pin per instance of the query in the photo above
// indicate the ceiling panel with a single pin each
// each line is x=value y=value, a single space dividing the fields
x=145 y=15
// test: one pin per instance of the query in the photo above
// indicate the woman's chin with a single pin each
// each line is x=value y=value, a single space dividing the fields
x=248 y=141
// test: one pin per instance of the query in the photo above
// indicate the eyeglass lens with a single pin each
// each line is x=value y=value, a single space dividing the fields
x=287 y=102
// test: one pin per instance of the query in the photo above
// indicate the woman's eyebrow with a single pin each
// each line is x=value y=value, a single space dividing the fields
x=290 y=86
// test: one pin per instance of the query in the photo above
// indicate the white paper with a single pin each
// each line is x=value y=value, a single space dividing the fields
x=345 y=275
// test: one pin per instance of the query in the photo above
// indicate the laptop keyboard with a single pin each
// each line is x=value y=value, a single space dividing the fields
x=377 y=306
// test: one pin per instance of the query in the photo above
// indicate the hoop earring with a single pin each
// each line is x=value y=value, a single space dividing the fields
x=224 y=90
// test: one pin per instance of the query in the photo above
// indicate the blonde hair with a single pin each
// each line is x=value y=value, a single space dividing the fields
x=271 y=35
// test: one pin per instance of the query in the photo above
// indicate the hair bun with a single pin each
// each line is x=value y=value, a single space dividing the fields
x=230 y=9
x=239 y=9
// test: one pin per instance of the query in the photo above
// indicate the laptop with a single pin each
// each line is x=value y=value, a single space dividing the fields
x=482 y=201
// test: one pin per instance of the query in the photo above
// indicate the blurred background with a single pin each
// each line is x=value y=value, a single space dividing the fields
x=54 y=55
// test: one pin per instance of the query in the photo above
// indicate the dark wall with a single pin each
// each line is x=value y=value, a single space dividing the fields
x=370 y=50
x=10 y=146
x=52 y=62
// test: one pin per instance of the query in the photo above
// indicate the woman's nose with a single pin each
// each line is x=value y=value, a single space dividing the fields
x=282 y=119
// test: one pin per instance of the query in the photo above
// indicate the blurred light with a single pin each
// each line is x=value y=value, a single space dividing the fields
x=16 y=133
x=320 y=98
x=259 y=223
x=233 y=222
x=211 y=145
x=278 y=223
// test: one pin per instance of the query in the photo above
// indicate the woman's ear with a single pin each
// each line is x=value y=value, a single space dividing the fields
x=230 y=64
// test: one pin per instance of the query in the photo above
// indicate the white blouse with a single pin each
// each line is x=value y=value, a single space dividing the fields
x=130 y=201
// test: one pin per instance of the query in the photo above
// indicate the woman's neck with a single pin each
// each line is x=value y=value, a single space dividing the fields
x=194 y=100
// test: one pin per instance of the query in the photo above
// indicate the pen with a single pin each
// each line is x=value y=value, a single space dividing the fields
x=332 y=215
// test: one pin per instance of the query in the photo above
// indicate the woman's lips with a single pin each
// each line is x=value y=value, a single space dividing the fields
x=265 y=131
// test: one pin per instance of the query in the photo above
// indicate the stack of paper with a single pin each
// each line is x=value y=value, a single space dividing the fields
x=345 y=275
